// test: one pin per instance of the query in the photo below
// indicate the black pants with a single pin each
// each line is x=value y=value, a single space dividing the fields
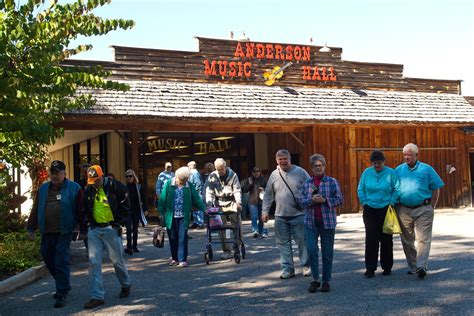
x=373 y=221
x=132 y=227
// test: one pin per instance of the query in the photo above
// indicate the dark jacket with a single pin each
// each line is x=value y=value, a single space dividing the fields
x=71 y=195
x=251 y=186
x=117 y=196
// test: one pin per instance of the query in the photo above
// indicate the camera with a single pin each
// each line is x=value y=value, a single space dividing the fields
x=315 y=191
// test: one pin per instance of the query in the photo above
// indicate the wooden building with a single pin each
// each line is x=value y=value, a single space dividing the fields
x=219 y=102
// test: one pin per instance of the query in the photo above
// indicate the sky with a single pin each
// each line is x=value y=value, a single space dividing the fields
x=432 y=38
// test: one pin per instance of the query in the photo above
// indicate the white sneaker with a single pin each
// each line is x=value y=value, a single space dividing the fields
x=265 y=235
x=306 y=271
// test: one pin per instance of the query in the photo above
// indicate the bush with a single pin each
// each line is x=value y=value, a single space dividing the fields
x=18 y=253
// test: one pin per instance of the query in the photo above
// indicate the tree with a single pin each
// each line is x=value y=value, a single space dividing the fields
x=36 y=89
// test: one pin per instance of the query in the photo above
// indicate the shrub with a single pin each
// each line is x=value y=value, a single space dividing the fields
x=18 y=252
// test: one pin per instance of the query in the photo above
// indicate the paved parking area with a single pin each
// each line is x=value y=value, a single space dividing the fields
x=254 y=287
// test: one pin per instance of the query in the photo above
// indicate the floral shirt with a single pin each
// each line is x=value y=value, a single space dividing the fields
x=178 y=203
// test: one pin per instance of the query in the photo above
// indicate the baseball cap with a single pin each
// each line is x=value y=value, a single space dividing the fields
x=57 y=165
x=93 y=173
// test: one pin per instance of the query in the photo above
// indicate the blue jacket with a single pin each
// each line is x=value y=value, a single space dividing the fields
x=71 y=195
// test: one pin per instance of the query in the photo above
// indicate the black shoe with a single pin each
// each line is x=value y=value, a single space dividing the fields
x=194 y=226
x=410 y=272
x=124 y=292
x=421 y=272
x=369 y=274
x=128 y=250
x=93 y=303
x=60 y=301
x=313 y=287
x=387 y=272
x=325 y=287
x=135 y=249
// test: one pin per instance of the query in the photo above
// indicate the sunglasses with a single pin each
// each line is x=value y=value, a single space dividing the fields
x=127 y=176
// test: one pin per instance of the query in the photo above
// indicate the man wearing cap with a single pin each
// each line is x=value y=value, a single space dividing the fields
x=56 y=211
x=106 y=208
x=255 y=186
x=164 y=176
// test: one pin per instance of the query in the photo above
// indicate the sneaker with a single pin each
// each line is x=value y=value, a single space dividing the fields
x=325 y=287
x=369 y=274
x=227 y=256
x=124 y=292
x=173 y=262
x=306 y=271
x=387 y=272
x=93 y=303
x=60 y=301
x=287 y=275
x=313 y=287
x=183 y=264
x=128 y=250
x=255 y=235
x=265 y=235
x=421 y=272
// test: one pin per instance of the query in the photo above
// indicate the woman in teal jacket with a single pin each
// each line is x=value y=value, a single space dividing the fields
x=177 y=199
x=378 y=188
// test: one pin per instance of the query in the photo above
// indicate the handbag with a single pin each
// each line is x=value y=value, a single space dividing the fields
x=390 y=224
x=297 y=205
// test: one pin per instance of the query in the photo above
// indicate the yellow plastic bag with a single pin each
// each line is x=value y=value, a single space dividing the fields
x=390 y=224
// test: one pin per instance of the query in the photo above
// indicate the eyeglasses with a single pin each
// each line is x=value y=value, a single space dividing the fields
x=318 y=166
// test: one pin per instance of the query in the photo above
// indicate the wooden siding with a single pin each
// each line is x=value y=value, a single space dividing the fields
x=347 y=150
x=158 y=64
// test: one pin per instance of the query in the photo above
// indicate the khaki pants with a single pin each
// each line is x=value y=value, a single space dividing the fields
x=416 y=224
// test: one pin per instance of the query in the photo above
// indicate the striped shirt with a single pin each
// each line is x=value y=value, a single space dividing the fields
x=330 y=190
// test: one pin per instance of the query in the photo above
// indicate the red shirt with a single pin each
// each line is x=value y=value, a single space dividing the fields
x=318 y=214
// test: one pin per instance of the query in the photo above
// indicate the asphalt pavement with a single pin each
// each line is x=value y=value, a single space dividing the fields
x=254 y=287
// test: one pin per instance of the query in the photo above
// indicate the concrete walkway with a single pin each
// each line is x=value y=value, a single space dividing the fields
x=253 y=287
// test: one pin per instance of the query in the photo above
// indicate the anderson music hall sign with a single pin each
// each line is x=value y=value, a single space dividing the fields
x=246 y=53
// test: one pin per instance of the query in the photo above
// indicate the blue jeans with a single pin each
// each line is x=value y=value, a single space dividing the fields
x=100 y=239
x=178 y=237
x=55 y=253
x=327 y=250
x=287 y=228
x=198 y=217
x=256 y=215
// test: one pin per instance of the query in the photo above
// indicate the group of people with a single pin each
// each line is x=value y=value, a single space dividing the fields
x=100 y=209
x=305 y=211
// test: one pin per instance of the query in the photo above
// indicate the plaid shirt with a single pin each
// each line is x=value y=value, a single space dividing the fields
x=330 y=190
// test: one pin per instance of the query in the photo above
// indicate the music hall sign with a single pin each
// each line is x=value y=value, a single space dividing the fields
x=240 y=67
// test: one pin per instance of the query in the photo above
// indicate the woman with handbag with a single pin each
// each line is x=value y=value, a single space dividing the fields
x=378 y=189
x=177 y=199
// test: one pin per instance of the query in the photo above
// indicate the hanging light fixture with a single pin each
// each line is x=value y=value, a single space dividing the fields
x=325 y=49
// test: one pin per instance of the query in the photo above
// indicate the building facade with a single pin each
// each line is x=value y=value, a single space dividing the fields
x=245 y=100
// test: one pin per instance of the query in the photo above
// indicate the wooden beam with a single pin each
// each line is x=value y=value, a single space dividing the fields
x=134 y=151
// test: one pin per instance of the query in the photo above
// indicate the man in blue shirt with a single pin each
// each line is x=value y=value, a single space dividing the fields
x=164 y=176
x=419 y=193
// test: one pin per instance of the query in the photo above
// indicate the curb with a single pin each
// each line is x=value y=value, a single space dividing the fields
x=23 y=278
